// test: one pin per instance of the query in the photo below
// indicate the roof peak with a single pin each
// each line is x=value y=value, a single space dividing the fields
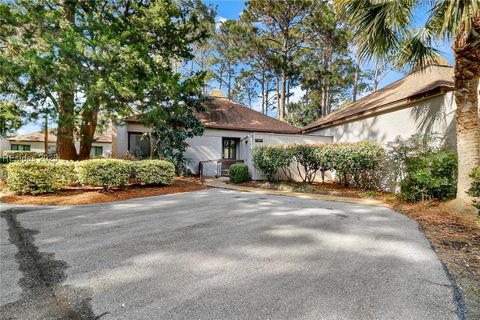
x=438 y=61
x=217 y=93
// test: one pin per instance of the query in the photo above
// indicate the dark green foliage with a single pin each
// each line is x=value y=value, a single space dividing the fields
x=349 y=160
x=474 y=190
x=10 y=118
x=305 y=156
x=238 y=172
x=431 y=175
x=353 y=159
x=270 y=159
x=118 y=56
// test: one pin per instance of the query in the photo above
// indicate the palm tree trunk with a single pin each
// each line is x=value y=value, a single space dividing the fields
x=467 y=74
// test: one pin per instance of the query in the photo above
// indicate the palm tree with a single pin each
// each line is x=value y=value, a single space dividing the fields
x=383 y=27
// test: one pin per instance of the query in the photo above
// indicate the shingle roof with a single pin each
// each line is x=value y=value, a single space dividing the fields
x=38 y=136
x=419 y=84
x=225 y=114
x=222 y=113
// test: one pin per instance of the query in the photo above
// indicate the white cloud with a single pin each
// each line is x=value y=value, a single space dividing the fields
x=298 y=93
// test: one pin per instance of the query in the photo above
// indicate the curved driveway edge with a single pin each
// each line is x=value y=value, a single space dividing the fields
x=223 y=254
x=216 y=183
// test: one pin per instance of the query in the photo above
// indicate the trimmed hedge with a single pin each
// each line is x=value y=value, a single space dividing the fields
x=104 y=173
x=238 y=172
x=68 y=172
x=270 y=159
x=39 y=176
x=349 y=160
x=154 y=172
x=34 y=177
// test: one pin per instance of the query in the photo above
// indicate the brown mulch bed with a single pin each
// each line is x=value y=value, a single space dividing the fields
x=76 y=196
x=454 y=236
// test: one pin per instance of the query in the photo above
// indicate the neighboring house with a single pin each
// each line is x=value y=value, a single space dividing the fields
x=422 y=102
x=102 y=145
x=231 y=133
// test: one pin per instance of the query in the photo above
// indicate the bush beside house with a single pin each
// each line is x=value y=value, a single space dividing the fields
x=238 y=172
x=35 y=177
x=430 y=176
x=104 y=173
x=474 y=190
x=429 y=173
x=154 y=172
x=347 y=159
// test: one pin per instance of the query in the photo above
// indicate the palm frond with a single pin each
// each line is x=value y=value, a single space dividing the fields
x=379 y=25
x=451 y=17
x=417 y=50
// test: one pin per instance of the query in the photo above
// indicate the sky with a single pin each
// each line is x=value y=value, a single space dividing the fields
x=232 y=9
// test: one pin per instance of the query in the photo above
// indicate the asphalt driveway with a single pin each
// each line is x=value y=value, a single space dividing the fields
x=218 y=254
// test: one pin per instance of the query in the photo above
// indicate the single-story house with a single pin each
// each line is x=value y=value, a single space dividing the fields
x=421 y=102
x=35 y=141
x=231 y=133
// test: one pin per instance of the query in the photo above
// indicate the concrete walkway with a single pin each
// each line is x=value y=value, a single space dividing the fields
x=217 y=183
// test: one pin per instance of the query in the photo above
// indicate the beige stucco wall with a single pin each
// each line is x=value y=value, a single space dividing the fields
x=209 y=146
x=434 y=115
x=269 y=139
x=201 y=148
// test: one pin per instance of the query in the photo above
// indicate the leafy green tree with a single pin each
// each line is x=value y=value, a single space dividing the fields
x=225 y=58
x=281 y=25
x=385 y=27
x=244 y=91
x=91 y=58
x=328 y=70
x=10 y=118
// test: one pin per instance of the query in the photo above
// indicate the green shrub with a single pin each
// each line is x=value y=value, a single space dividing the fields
x=326 y=158
x=238 y=172
x=270 y=159
x=34 y=177
x=431 y=175
x=355 y=161
x=306 y=156
x=105 y=173
x=474 y=190
x=154 y=172
x=68 y=171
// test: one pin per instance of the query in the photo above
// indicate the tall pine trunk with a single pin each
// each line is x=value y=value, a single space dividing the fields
x=356 y=79
x=87 y=132
x=66 y=114
x=66 y=125
x=283 y=90
x=467 y=74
